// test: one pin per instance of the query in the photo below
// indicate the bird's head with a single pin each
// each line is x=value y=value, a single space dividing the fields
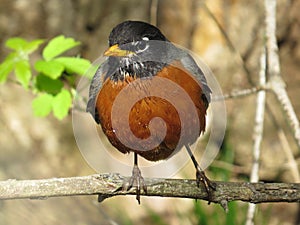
x=137 y=47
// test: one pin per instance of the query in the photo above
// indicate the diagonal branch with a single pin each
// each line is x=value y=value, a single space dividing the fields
x=109 y=185
x=276 y=82
x=287 y=107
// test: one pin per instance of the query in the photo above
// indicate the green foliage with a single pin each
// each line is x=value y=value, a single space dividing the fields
x=74 y=64
x=51 y=69
x=61 y=104
x=215 y=214
x=18 y=60
x=23 y=72
x=57 y=46
x=42 y=104
x=48 y=85
x=21 y=45
x=53 y=77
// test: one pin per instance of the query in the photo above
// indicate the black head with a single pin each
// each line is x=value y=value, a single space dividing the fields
x=136 y=49
x=133 y=31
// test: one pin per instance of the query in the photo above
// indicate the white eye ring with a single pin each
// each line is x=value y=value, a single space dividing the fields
x=142 y=45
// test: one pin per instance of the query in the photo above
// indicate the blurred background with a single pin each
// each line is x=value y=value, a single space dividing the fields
x=227 y=35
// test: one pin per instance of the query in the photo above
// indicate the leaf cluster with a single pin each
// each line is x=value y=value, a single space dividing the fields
x=51 y=78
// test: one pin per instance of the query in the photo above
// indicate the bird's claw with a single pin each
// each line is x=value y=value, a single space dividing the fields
x=137 y=181
x=208 y=185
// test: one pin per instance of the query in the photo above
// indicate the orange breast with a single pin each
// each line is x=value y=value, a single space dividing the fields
x=128 y=112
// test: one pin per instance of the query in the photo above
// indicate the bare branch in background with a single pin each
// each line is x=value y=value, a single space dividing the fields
x=239 y=93
x=275 y=80
x=289 y=112
x=285 y=145
x=276 y=83
x=230 y=44
x=258 y=131
x=153 y=12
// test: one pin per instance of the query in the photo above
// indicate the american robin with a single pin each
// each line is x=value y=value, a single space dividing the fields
x=146 y=77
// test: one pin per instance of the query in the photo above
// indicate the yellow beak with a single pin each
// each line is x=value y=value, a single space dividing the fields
x=116 y=51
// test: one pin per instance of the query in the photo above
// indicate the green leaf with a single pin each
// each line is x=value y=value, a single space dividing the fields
x=32 y=46
x=5 y=69
x=7 y=66
x=61 y=104
x=42 y=105
x=22 y=46
x=74 y=64
x=51 y=69
x=15 y=43
x=46 y=84
x=23 y=72
x=57 y=46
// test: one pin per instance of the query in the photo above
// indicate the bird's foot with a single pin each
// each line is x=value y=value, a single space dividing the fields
x=208 y=184
x=137 y=181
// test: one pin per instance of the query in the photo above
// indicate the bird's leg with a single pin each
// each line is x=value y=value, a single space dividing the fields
x=201 y=177
x=136 y=180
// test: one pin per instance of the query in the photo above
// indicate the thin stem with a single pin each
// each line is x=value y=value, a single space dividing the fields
x=230 y=43
x=239 y=93
x=153 y=12
x=258 y=132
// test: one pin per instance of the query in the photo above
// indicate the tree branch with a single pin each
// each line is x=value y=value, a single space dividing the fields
x=240 y=93
x=258 y=132
x=153 y=12
x=109 y=185
x=276 y=82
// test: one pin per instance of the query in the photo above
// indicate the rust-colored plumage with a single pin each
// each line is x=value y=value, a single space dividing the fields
x=150 y=107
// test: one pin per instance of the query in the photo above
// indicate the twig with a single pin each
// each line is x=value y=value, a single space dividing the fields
x=258 y=132
x=288 y=109
x=240 y=93
x=259 y=120
x=270 y=32
x=193 y=21
x=270 y=19
x=291 y=161
x=292 y=164
x=109 y=185
x=153 y=12
x=229 y=43
x=275 y=81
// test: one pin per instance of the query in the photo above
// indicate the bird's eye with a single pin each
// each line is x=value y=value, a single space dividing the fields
x=142 y=45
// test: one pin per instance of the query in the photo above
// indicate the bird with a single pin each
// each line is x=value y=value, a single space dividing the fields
x=145 y=77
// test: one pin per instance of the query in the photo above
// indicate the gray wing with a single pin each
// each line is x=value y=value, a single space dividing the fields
x=189 y=63
x=95 y=87
x=175 y=53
